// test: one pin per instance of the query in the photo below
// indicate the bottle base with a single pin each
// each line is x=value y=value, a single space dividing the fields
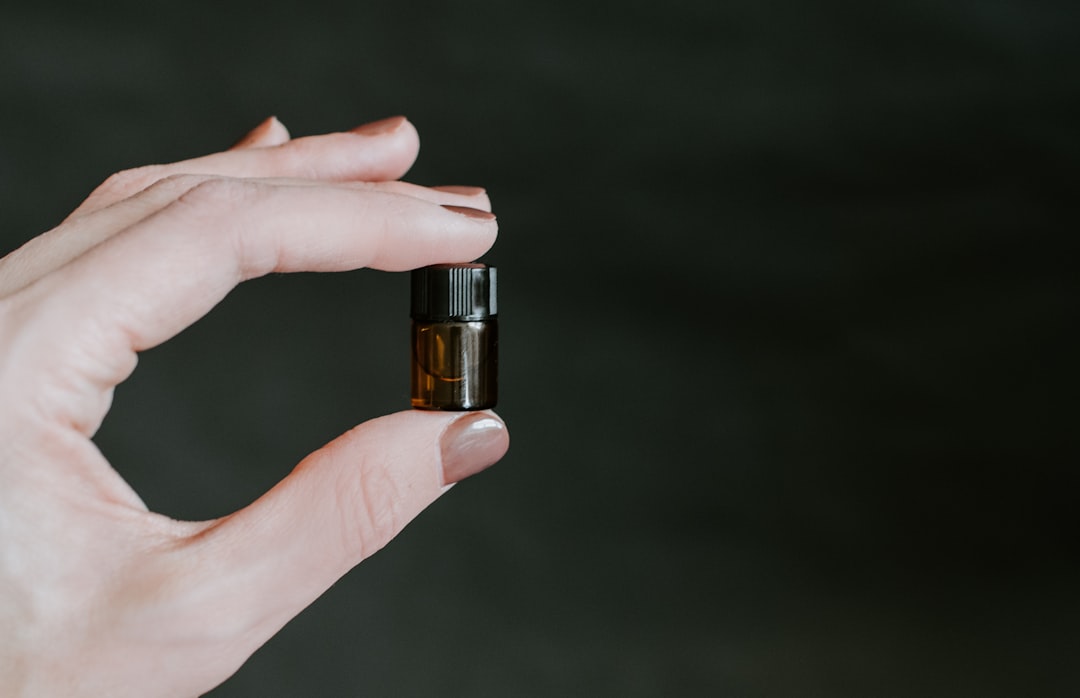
x=429 y=407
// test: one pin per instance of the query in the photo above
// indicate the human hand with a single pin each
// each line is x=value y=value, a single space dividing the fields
x=98 y=595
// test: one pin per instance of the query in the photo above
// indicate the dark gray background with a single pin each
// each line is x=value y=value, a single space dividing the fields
x=786 y=290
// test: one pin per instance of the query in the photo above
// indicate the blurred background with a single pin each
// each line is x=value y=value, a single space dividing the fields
x=787 y=298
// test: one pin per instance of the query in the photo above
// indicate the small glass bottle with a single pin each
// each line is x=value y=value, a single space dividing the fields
x=455 y=337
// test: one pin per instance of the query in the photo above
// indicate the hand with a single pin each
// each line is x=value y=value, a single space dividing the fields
x=100 y=597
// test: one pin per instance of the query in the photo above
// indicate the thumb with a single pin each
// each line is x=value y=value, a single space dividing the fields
x=268 y=561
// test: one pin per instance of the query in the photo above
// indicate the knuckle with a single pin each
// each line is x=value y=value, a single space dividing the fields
x=166 y=190
x=180 y=181
x=217 y=212
x=368 y=504
x=119 y=186
x=127 y=182
x=218 y=193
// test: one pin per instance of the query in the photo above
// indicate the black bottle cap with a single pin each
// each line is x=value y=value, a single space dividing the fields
x=454 y=292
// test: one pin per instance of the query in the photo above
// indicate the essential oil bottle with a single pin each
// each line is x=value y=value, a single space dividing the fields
x=455 y=337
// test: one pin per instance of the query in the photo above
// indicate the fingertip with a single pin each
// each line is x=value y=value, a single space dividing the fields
x=269 y=132
x=381 y=127
x=278 y=133
x=471 y=444
x=460 y=190
x=469 y=212
x=473 y=197
x=455 y=234
x=411 y=138
x=399 y=140
x=466 y=443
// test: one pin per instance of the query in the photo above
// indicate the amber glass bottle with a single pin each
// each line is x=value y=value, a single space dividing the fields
x=455 y=337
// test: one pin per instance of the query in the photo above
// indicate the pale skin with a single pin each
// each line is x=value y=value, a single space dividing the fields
x=98 y=595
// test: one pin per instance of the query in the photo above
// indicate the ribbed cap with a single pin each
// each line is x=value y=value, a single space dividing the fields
x=457 y=292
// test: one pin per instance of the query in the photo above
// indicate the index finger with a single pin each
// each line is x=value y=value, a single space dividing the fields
x=148 y=283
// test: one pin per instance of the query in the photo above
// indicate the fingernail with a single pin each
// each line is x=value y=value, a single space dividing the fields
x=282 y=134
x=378 y=128
x=458 y=189
x=470 y=444
x=471 y=212
x=255 y=134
